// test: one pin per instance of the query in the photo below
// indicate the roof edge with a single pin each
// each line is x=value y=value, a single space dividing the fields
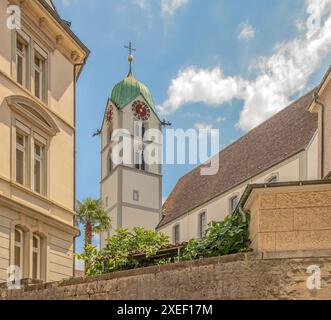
x=57 y=17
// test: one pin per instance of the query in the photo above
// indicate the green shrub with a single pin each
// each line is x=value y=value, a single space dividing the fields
x=120 y=250
x=222 y=238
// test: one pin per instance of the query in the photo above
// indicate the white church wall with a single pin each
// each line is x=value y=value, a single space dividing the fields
x=134 y=217
x=312 y=159
x=147 y=187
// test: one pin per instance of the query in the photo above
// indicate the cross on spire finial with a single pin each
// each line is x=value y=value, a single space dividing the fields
x=130 y=57
x=130 y=48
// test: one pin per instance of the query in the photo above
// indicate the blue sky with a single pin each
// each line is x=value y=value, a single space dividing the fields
x=213 y=63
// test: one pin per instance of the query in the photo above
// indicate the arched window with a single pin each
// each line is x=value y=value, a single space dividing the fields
x=19 y=248
x=202 y=223
x=36 y=257
x=109 y=163
x=233 y=203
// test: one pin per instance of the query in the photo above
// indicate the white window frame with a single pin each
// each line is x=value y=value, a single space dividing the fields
x=19 y=245
x=24 y=150
x=231 y=209
x=38 y=251
x=176 y=227
x=42 y=162
x=42 y=56
x=24 y=56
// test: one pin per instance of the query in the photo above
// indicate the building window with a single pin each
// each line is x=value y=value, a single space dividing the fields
x=19 y=248
x=36 y=257
x=273 y=179
x=20 y=158
x=202 y=224
x=107 y=202
x=39 y=168
x=233 y=203
x=110 y=163
x=135 y=195
x=139 y=160
x=21 y=61
x=39 y=76
x=176 y=234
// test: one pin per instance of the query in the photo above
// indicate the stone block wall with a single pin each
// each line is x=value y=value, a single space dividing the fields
x=242 y=276
x=290 y=218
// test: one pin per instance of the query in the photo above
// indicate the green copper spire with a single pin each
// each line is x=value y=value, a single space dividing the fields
x=129 y=88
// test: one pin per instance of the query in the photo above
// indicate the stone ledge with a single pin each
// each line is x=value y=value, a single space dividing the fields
x=297 y=254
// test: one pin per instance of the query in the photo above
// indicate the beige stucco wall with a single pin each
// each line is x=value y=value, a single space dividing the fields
x=299 y=167
x=290 y=218
x=50 y=215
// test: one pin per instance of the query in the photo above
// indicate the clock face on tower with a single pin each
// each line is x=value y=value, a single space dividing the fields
x=141 y=110
x=109 y=114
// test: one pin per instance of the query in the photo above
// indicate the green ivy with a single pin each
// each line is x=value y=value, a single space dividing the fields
x=221 y=238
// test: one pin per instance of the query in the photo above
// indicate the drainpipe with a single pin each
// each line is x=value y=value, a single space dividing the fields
x=320 y=103
x=74 y=208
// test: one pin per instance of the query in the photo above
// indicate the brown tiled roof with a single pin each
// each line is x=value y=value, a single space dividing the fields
x=277 y=139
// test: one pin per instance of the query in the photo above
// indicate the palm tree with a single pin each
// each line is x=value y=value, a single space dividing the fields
x=92 y=215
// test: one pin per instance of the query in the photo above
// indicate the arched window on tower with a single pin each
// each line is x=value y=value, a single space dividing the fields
x=109 y=163
x=139 y=160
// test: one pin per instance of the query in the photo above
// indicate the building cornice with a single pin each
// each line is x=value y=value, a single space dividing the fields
x=37 y=196
x=27 y=93
x=49 y=220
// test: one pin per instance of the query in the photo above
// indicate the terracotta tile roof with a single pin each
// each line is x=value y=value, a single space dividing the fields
x=277 y=139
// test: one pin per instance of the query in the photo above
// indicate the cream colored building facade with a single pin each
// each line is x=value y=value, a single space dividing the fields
x=40 y=60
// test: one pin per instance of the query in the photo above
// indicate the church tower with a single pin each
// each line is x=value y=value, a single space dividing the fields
x=131 y=191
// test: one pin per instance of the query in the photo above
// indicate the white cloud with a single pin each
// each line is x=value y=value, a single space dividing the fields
x=142 y=4
x=170 y=6
x=193 y=85
x=246 y=32
x=278 y=77
x=203 y=126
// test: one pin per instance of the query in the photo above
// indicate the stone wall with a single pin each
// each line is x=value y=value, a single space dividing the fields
x=243 y=276
x=290 y=218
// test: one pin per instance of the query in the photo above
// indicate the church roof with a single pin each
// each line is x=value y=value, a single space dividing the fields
x=129 y=89
x=277 y=139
